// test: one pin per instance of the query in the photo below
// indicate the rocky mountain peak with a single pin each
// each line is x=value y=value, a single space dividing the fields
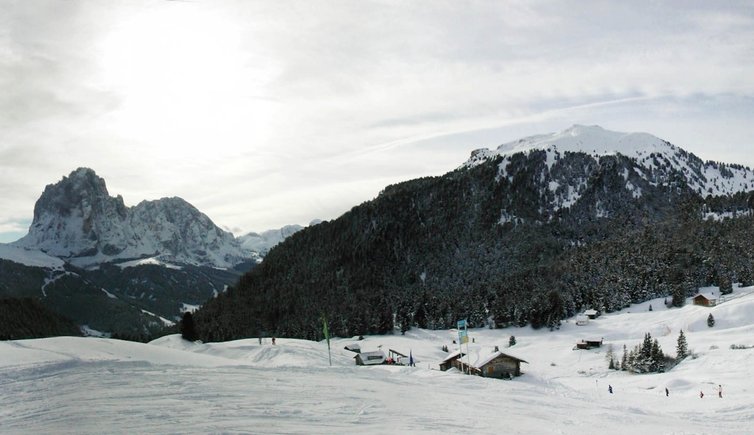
x=78 y=220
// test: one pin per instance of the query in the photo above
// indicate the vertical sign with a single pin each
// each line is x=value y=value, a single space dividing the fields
x=463 y=337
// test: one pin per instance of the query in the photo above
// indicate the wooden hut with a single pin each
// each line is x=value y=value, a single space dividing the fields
x=499 y=365
x=705 y=299
x=370 y=358
x=588 y=344
x=592 y=314
x=447 y=363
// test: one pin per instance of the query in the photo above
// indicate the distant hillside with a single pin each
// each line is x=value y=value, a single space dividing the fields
x=522 y=237
x=27 y=318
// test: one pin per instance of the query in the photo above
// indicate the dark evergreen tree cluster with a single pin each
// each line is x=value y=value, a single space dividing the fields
x=486 y=243
x=27 y=318
x=646 y=357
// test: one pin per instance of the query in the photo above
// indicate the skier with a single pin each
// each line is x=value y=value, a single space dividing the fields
x=260 y=340
x=273 y=340
x=701 y=394
x=667 y=393
x=720 y=391
x=610 y=389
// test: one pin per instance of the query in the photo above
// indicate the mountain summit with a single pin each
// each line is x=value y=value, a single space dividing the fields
x=76 y=219
x=656 y=159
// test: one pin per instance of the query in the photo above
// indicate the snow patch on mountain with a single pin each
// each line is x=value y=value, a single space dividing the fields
x=29 y=257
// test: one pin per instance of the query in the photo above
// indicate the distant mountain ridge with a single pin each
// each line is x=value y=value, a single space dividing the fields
x=76 y=219
x=266 y=240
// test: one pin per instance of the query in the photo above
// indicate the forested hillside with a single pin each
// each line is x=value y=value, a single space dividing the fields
x=27 y=318
x=514 y=241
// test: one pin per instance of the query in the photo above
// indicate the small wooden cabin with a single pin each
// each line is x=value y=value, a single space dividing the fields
x=499 y=365
x=582 y=320
x=705 y=299
x=447 y=363
x=370 y=358
x=588 y=344
x=592 y=314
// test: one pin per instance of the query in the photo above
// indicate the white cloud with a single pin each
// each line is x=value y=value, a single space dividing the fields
x=268 y=113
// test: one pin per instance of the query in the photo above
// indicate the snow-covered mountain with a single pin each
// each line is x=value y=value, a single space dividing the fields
x=657 y=160
x=76 y=219
x=264 y=241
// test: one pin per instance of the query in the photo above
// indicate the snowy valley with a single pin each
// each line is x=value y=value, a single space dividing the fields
x=93 y=385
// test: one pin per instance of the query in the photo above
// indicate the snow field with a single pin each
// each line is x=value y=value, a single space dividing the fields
x=95 y=385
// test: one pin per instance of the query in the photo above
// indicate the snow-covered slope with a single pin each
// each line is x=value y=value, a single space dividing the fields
x=76 y=219
x=650 y=152
x=92 y=385
x=29 y=257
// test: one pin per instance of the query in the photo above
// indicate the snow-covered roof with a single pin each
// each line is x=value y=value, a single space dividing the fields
x=452 y=355
x=590 y=312
x=484 y=361
x=369 y=358
x=707 y=295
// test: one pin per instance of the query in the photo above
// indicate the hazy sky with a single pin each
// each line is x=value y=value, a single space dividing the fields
x=266 y=113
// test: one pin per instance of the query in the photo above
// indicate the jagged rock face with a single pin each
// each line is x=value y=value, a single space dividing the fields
x=73 y=217
x=78 y=220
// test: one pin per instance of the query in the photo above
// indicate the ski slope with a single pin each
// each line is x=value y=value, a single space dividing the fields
x=96 y=385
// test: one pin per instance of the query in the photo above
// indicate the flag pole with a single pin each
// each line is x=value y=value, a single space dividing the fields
x=327 y=337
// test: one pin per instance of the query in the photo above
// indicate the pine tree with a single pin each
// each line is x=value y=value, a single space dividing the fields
x=512 y=341
x=710 y=320
x=188 y=331
x=682 y=349
x=624 y=360
x=656 y=357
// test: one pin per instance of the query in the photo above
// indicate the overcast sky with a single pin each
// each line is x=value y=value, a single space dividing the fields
x=266 y=113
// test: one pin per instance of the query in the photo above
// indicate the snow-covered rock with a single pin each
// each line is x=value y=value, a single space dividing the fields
x=76 y=219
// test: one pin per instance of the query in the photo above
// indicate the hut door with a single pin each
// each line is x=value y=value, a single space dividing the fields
x=490 y=370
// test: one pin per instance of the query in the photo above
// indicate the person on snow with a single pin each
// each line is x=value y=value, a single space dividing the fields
x=273 y=340
x=610 y=389
x=667 y=393
x=701 y=394
x=720 y=391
